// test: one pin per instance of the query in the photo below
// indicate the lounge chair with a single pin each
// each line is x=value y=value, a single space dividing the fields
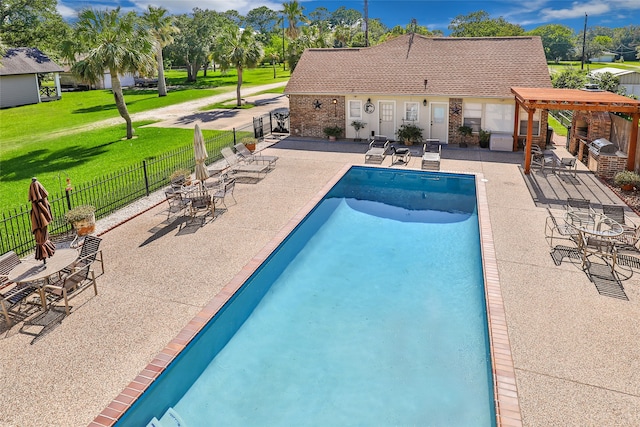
x=377 y=151
x=400 y=155
x=237 y=166
x=11 y=295
x=250 y=157
x=431 y=156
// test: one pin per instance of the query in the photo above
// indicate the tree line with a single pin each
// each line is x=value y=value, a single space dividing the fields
x=149 y=42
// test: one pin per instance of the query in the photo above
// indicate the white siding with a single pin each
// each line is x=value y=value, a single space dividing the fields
x=18 y=90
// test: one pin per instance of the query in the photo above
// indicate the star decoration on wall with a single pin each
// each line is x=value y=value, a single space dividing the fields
x=317 y=104
x=455 y=109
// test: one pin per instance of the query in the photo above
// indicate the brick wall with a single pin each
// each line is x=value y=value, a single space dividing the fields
x=307 y=120
x=598 y=126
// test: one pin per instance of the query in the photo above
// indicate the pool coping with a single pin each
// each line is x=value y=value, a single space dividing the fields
x=504 y=384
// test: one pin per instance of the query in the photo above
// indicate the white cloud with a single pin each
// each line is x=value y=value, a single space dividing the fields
x=66 y=12
x=187 y=6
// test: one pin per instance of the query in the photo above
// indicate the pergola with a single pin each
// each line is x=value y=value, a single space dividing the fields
x=531 y=99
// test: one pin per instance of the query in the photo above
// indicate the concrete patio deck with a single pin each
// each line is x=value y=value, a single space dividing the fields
x=575 y=351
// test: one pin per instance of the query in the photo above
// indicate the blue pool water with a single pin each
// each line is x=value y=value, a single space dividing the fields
x=370 y=313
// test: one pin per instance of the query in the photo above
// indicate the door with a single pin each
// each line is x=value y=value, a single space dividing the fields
x=387 y=119
x=439 y=121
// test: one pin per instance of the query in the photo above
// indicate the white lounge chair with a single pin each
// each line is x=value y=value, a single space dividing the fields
x=431 y=159
x=250 y=157
x=377 y=151
x=237 y=166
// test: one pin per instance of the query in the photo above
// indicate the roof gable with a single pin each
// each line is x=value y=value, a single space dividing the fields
x=451 y=66
x=26 y=60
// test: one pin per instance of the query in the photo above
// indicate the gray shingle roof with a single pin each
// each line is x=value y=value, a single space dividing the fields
x=26 y=60
x=453 y=66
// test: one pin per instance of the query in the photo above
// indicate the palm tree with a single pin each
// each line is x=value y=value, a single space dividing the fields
x=107 y=40
x=293 y=11
x=239 y=49
x=161 y=27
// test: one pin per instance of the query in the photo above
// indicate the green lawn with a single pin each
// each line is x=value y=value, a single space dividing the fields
x=85 y=157
x=33 y=123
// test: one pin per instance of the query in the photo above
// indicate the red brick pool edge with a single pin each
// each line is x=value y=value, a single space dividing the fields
x=505 y=390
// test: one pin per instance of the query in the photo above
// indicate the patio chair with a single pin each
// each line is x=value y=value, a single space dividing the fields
x=200 y=200
x=250 y=157
x=540 y=159
x=12 y=295
x=88 y=252
x=630 y=236
x=569 y=164
x=70 y=285
x=237 y=166
x=226 y=187
x=177 y=201
x=579 y=204
x=559 y=227
x=378 y=145
x=400 y=155
x=602 y=247
x=431 y=156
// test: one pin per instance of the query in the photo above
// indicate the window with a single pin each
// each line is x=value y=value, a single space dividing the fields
x=355 y=110
x=472 y=115
x=524 y=118
x=499 y=117
x=411 y=111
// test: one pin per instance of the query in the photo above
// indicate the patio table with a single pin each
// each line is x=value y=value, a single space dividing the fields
x=38 y=273
x=596 y=234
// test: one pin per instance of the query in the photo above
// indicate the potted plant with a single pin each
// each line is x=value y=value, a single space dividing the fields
x=465 y=131
x=180 y=177
x=82 y=218
x=410 y=133
x=249 y=142
x=483 y=138
x=357 y=125
x=332 y=132
x=627 y=180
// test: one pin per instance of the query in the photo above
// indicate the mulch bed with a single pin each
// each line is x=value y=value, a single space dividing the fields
x=631 y=198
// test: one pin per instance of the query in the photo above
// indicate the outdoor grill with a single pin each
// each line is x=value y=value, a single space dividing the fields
x=602 y=146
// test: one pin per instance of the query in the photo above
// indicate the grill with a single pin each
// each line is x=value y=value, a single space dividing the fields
x=602 y=146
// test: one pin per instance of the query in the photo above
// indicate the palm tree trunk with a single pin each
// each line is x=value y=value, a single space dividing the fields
x=119 y=98
x=162 y=85
x=239 y=103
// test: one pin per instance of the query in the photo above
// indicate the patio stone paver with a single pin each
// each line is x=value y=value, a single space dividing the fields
x=575 y=352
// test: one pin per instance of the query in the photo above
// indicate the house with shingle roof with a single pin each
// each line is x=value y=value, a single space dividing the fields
x=19 y=82
x=436 y=83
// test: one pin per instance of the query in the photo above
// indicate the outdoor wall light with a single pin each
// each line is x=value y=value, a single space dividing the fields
x=368 y=100
x=334 y=101
x=424 y=102
x=335 y=107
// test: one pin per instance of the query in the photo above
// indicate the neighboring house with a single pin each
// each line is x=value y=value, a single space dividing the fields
x=437 y=83
x=604 y=57
x=19 y=83
x=71 y=81
x=629 y=79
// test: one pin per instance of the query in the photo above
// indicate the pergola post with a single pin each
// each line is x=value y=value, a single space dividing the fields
x=527 y=150
x=515 y=126
x=631 y=160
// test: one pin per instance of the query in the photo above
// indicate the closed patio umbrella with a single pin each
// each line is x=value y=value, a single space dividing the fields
x=200 y=154
x=40 y=219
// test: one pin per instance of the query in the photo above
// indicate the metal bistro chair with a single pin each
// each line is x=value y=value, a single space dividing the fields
x=226 y=187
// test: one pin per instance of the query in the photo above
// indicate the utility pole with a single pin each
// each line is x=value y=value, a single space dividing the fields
x=366 y=23
x=584 y=40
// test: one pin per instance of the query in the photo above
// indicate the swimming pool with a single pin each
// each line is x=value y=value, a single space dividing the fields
x=365 y=347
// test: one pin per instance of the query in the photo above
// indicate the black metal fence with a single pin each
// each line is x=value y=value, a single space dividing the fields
x=116 y=190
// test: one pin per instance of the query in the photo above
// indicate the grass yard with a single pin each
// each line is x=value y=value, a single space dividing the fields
x=83 y=157
x=38 y=122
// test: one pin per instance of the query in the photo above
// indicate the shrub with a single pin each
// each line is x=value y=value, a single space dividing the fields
x=333 y=131
x=410 y=133
x=79 y=213
x=627 y=178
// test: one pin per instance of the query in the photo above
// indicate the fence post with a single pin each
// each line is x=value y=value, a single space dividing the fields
x=270 y=122
x=234 y=136
x=146 y=177
x=66 y=193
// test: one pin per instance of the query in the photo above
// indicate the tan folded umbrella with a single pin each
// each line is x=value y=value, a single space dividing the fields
x=40 y=220
x=201 y=155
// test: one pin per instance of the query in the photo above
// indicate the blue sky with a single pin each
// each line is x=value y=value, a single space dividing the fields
x=434 y=14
